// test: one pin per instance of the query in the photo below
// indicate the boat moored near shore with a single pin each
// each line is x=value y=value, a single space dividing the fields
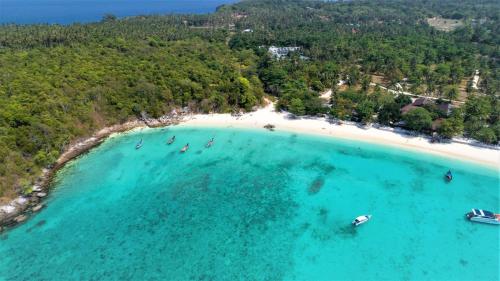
x=483 y=216
x=138 y=145
x=171 y=140
x=185 y=148
x=448 y=176
x=210 y=143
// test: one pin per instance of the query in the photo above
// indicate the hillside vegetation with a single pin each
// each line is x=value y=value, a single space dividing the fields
x=50 y=96
x=59 y=83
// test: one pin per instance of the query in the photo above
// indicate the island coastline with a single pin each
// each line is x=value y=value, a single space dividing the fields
x=486 y=156
x=468 y=151
x=19 y=209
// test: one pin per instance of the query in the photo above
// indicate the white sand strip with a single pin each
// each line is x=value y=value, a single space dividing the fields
x=320 y=126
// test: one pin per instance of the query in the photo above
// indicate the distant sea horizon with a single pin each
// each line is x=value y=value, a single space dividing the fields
x=86 y=11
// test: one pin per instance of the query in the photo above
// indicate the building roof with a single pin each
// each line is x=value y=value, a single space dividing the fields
x=445 y=107
x=421 y=102
x=279 y=52
x=407 y=108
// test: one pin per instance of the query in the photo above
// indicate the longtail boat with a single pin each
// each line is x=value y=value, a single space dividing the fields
x=185 y=148
x=171 y=140
x=210 y=143
x=138 y=145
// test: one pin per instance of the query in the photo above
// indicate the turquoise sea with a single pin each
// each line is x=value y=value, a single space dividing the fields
x=257 y=205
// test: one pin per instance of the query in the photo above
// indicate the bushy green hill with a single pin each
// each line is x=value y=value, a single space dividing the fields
x=58 y=83
x=50 y=96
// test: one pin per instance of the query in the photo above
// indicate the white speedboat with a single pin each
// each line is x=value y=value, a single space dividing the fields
x=361 y=220
x=483 y=216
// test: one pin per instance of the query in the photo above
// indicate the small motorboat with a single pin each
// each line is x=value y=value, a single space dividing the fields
x=210 y=143
x=361 y=220
x=138 y=145
x=483 y=216
x=185 y=148
x=448 y=176
x=171 y=140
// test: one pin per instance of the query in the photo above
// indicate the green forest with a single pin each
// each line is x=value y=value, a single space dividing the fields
x=59 y=83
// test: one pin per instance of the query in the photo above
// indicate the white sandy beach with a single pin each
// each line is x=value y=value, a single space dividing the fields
x=320 y=126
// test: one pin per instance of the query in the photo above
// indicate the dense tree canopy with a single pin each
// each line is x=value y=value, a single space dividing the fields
x=58 y=83
x=50 y=96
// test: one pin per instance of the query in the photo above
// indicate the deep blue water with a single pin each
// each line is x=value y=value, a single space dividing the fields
x=73 y=11
x=257 y=205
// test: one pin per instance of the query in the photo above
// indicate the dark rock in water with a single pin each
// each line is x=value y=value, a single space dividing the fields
x=323 y=167
x=321 y=234
x=323 y=215
x=346 y=231
x=463 y=262
x=287 y=164
x=305 y=226
x=199 y=152
x=316 y=186
x=38 y=224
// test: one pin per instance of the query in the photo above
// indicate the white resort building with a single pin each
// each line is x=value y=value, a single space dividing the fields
x=280 y=52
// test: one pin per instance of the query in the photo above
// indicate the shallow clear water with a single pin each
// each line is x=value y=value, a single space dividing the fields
x=71 y=11
x=257 y=205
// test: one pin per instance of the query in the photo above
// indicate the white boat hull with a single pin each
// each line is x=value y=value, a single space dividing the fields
x=361 y=220
x=483 y=216
x=484 y=220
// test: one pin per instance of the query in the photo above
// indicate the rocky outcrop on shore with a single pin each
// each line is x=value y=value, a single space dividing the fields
x=19 y=209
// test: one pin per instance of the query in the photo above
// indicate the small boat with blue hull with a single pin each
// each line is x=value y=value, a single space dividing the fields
x=138 y=145
x=483 y=216
x=361 y=220
x=448 y=176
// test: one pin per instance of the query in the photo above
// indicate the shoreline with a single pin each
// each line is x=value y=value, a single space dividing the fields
x=19 y=209
x=460 y=149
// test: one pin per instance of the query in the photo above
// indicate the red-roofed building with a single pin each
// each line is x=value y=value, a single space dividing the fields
x=421 y=102
x=407 y=108
x=445 y=108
